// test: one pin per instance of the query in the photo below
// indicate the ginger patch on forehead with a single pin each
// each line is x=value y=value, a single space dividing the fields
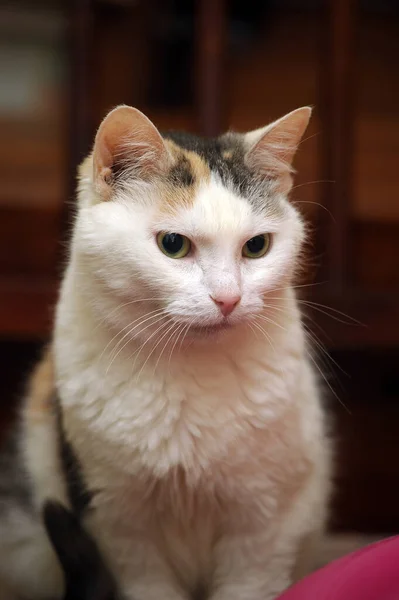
x=180 y=184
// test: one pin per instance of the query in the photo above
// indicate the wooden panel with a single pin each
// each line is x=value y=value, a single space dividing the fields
x=122 y=40
x=211 y=66
x=367 y=443
x=337 y=70
x=375 y=260
x=26 y=306
x=377 y=119
x=377 y=315
x=29 y=240
x=32 y=163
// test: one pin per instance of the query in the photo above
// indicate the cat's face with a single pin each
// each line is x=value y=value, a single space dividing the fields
x=186 y=235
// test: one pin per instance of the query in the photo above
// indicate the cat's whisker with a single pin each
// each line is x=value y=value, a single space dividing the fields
x=315 y=203
x=310 y=137
x=185 y=334
x=180 y=331
x=308 y=317
x=119 y=347
x=265 y=333
x=269 y=339
x=157 y=318
x=274 y=308
x=323 y=308
x=139 y=321
x=297 y=287
x=124 y=329
x=271 y=322
x=327 y=382
x=123 y=305
x=138 y=351
x=252 y=328
x=165 y=333
x=321 y=347
x=315 y=342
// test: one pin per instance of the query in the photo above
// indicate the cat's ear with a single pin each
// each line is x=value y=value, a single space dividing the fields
x=127 y=143
x=271 y=149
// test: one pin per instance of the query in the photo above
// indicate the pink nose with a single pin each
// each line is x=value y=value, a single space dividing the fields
x=226 y=304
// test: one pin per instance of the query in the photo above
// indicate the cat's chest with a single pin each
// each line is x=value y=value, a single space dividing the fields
x=164 y=419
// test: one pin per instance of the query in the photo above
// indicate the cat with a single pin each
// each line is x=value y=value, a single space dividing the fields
x=176 y=411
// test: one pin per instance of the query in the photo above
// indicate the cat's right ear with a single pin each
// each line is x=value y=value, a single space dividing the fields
x=127 y=144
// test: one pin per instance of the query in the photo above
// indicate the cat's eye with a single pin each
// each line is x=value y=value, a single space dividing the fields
x=173 y=245
x=257 y=246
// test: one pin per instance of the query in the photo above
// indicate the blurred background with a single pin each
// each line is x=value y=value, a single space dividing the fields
x=207 y=65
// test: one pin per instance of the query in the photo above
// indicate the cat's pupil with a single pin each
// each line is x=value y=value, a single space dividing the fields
x=172 y=242
x=256 y=244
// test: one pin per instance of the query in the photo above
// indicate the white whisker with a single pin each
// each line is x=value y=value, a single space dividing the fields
x=127 y=327
x=268 y=320
x=157 y=318
x=179 y=332
x=138 y=351
x=123 y=305
x=323 y=350
x=185 y=333
x=327 y=382
x=165 y=333
x=179 y=327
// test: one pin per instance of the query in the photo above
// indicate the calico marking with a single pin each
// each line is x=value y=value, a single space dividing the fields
x=86 y=575
x=78 y=493
x=223 y=156
x=181 y=174
x=14 y=481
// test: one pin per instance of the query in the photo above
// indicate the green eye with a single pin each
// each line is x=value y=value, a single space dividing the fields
x=173 y=245
x=257 y=246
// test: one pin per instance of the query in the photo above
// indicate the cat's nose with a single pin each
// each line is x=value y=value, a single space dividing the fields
x=226 y=304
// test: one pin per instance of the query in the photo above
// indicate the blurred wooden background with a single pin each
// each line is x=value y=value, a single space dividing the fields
x=207 y=65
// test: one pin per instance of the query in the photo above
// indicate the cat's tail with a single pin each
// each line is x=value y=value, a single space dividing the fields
x=86 y=574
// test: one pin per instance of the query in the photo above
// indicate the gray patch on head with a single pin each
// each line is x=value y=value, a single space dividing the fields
x=225 y=157
x=181 y=174
x=15 y=486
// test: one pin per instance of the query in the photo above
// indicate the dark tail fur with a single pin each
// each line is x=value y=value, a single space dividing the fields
x=86 y=575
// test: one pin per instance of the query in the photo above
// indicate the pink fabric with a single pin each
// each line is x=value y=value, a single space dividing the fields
x=368 y=574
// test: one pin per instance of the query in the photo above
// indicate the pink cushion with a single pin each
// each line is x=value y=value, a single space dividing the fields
x=368 y=574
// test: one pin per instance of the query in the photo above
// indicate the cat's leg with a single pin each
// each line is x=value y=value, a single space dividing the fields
x=252 y=566
x=153 y=588
x=257 y=562
x=307 y=553
x=141 y=570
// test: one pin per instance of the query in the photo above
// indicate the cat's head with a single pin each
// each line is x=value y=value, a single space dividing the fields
x=186 y=234
x=85 y=572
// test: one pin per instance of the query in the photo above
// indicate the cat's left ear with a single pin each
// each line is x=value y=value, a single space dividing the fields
x=271 y=149
x=127 y=144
